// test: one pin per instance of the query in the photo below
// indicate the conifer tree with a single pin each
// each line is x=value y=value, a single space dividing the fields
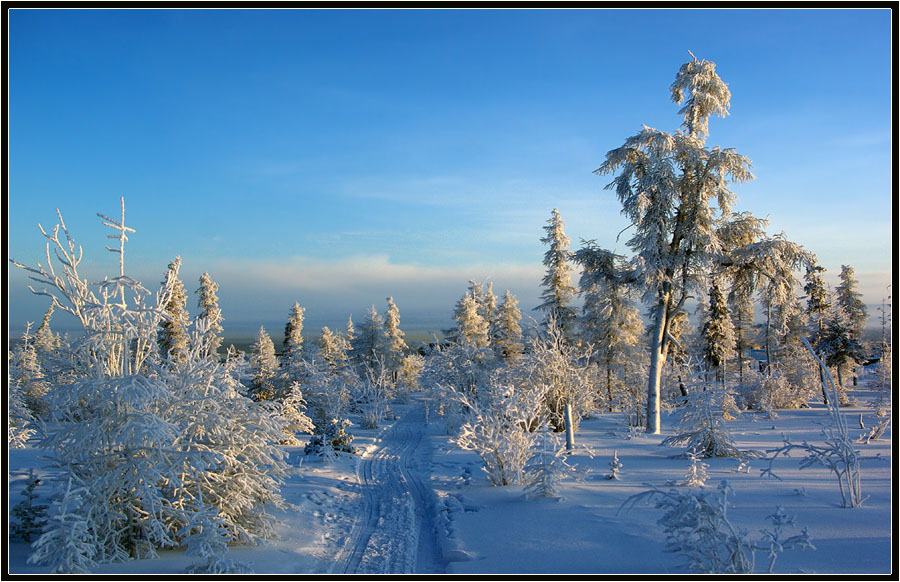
x=208 y=303
x=293 y=336
x=506 y=330
x=370 y=343
x=847 y=297
x=472 y=329
x=674 y=190
x=817 y=303
x=717 y=332
x=264 y=366
x=173 y=335
x=45 y=341
x=610 y=321
x=332 y=349
x=559 y=292
x=395 y=345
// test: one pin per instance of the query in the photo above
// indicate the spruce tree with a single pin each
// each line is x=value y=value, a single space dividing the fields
x=264 y=366
x=208 y=303
x=395 y=347
x=506 y=330
x=610 y=321
x=848 y=298
x=472 y=329
x=172 y=337
x=559 y=292
x=717 y=333
x=332 y=349
x=45 y=341
x=817 y=303
x=293 y=336
x=370 y=343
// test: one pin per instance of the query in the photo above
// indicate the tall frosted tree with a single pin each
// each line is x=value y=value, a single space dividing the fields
x=817 y=302
x=717 y=333
x=264 y=366
x=395 y=344
x=847 y=297
x=506 y=329
x=173 y=329
x=210 y=313
x=293 y=335
x=610 y=320
x=472 y=329
x=675 y=191
x=370 y=343
x=558 y=290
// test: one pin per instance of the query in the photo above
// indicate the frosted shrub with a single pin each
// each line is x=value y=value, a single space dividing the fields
x=697 y=527
x=207 y=540
x=702 y=428
x=781 y=388
x=568 y=374
x=836 y=454
x=547 y=468
x=495 y=428
x=69 y=545
x=237 y=438
x=328 y=397
x=373 y=392
x=143 y=449
x=696 y=475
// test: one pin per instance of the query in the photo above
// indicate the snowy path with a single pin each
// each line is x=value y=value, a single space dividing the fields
x=394 y=532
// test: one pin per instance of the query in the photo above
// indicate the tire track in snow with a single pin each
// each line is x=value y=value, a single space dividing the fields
x=395 y=530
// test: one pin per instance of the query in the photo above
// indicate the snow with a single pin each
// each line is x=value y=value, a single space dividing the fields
x=413 y=502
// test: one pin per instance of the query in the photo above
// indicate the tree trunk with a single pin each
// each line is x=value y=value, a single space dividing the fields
x=657 y=360
x=609 y=400
x=570 y=435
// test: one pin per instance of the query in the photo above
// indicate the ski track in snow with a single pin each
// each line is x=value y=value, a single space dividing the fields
x=394 y=532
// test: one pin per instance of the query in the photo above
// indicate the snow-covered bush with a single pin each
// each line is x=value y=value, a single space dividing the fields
x=696 y=475
x=788 y=384
x=373 y=392
x=236 y=436
x=328 y=398
x=69 y=545
x=547 y=468
x=143 y=448
x=566 y=371
x=496 y=428
x=697 y=527
x=702 y=429
x=836 y=454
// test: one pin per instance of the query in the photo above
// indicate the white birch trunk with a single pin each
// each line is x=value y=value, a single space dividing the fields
x=657 y=360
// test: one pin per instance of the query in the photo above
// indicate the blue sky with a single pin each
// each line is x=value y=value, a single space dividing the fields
x=337 y=157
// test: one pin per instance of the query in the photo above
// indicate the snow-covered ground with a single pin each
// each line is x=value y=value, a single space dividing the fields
x=413 y=502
